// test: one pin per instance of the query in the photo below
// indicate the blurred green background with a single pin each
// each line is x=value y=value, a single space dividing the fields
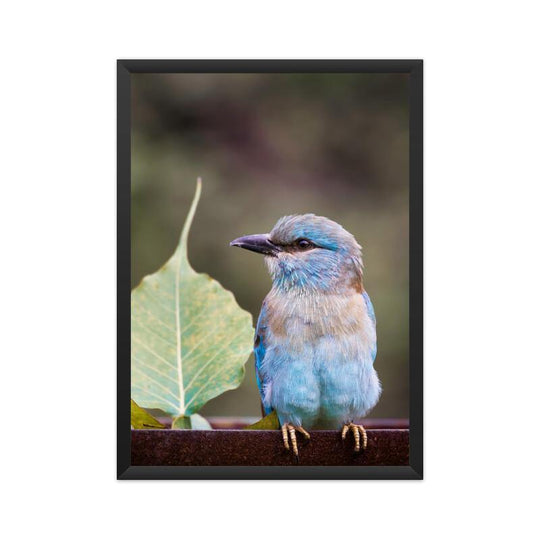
x=267 y=145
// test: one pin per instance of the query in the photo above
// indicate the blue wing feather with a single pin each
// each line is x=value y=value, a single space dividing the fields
x=371 y=315
x=260 y=350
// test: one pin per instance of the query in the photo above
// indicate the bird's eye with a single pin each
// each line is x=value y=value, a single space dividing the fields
x=304 y=244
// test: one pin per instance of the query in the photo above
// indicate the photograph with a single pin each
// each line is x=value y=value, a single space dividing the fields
x=270 y=244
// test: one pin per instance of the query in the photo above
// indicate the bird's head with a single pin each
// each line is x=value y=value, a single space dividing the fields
x=308 y=252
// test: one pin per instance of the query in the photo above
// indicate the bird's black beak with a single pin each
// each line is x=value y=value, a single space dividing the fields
x=260 y=243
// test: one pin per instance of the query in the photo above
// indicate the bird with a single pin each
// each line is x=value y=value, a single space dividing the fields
x=315 y=340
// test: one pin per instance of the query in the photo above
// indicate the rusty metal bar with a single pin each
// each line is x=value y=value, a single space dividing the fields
x=234 y=447
x=239 y=422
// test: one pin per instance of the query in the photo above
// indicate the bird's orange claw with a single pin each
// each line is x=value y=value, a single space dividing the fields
x=359 y=433
x=288 y=431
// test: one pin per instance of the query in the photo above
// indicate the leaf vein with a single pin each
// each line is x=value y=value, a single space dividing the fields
x=155 y=380
x=152 y=351
x=160 y=398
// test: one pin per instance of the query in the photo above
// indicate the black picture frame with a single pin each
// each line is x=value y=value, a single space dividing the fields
x=415 y=69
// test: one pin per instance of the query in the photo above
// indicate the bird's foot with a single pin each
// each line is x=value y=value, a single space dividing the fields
x=359 y=434
x=288 y=431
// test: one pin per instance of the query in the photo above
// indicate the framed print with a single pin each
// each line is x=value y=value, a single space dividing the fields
x=270 y=269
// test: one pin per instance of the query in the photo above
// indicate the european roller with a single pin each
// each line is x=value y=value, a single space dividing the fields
x=315 y=342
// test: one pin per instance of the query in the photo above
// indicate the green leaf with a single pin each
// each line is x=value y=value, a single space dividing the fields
x=199 y=422
x=140 y=419
x=195 y=421
x=189 y=338
x=270 y=421
x=181 y=422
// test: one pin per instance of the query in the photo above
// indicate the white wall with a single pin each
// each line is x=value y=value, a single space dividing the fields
x=57 y=277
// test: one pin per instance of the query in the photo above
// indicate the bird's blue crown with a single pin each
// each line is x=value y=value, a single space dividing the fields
x=314 y=253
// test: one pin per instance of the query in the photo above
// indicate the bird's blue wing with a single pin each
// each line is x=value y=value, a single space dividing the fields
x=260 y=350
x=371 y=315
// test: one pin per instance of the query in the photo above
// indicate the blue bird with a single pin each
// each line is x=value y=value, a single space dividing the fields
x=315 y=342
